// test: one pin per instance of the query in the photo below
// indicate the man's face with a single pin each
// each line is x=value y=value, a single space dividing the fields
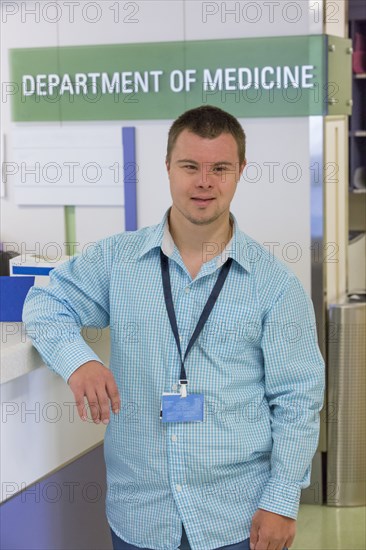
x=203 y=176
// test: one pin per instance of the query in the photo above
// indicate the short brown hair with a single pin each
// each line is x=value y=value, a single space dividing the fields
x=210 y=122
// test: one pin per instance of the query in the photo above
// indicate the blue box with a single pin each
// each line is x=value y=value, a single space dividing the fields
x=13 y=291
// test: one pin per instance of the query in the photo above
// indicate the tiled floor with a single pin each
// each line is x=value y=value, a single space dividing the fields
x=328 y=528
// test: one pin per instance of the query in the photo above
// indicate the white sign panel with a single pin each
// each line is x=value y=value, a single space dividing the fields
x=67 y=165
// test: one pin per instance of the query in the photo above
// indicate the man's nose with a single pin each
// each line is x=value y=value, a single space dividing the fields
x=206 y=178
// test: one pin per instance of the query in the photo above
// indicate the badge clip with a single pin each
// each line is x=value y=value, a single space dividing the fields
x=183 y=388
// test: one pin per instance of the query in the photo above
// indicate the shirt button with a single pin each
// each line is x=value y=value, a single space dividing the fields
x=178 y=488
x=174 y=387
x=174 y=437
x=187 y=289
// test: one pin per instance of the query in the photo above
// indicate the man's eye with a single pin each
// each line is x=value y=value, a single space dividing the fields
x=189 y=166
x=220 y=169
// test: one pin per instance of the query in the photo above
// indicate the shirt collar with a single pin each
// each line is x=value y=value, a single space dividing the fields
x=237 y=247
x=156 y=237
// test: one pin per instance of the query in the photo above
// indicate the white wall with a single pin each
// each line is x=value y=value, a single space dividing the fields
x=275 y=211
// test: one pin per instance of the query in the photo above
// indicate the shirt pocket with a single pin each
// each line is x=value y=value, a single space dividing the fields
x=231 y=336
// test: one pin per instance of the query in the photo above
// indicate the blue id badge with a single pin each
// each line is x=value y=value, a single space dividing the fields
x=175 y=408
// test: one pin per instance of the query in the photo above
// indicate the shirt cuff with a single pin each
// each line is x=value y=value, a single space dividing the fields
x=71 y=357
x=281 y=498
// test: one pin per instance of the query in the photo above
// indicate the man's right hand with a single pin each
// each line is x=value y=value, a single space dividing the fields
x=95 y=382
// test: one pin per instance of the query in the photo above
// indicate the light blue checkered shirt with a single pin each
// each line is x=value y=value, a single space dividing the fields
x=256 y=362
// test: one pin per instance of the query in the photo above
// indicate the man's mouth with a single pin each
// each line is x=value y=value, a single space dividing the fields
x=202 y=200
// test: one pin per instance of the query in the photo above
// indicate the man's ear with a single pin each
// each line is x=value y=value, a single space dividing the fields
x=242 y=166
x=167 y=164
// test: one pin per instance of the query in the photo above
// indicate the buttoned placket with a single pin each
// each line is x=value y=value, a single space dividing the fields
x=182 y=303
x=175 y=431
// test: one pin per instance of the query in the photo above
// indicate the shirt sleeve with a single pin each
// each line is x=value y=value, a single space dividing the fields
x=77 y=296
x=294 y=386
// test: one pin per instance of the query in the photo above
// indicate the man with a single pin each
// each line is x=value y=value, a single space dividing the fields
x=227 y=453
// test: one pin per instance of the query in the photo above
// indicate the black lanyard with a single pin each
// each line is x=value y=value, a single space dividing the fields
x=205 y=313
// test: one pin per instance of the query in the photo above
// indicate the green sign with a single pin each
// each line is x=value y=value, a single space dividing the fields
x=251 y=77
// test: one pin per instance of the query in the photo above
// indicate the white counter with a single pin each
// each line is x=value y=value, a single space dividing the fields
x=40 y=427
